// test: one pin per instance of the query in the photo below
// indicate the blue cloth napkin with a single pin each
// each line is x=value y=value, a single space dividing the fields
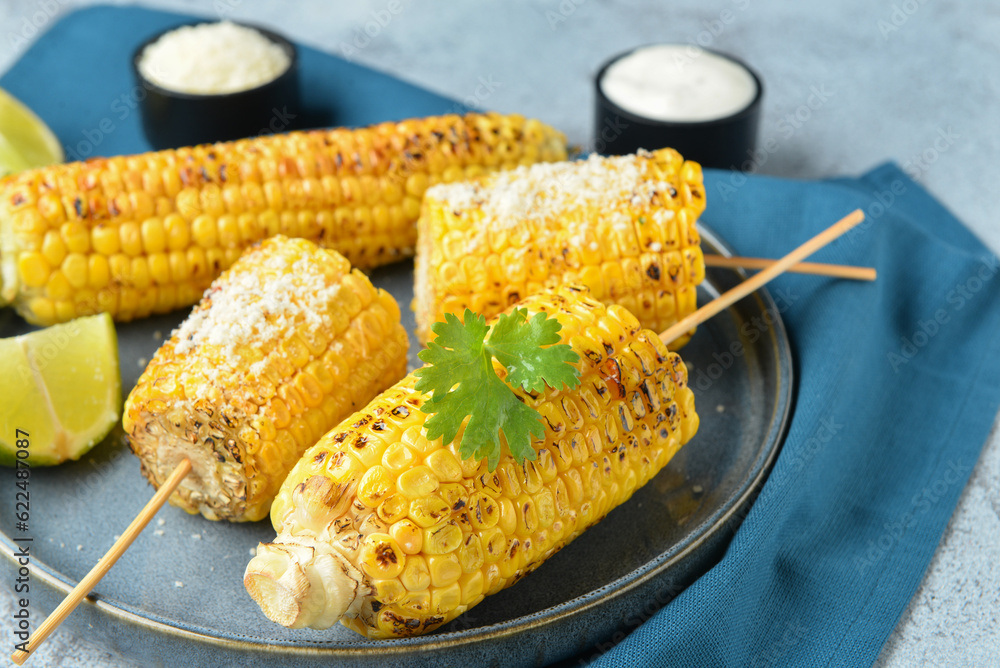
x=896 y=393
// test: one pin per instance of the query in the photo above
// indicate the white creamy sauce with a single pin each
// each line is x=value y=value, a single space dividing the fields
x=673 y=82
x=212 y=58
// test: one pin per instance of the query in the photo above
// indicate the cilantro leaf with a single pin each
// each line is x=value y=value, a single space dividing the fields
x=517 y=343
x=462 y=383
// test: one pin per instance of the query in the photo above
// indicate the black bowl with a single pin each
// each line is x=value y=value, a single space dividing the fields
x=722 y=142
x=171 y=118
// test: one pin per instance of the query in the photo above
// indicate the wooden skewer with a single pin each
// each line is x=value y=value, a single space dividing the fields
x=754 y=282
x=817 y=268
x=105 y=563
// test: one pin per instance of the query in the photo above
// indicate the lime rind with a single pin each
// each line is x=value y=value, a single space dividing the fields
x=64 y=390
x=26 y=141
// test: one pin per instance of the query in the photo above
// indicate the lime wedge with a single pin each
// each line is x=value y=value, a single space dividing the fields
x=25 y=141
x=62 y=392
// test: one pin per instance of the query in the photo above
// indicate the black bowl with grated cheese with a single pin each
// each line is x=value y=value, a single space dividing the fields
x=174 y=118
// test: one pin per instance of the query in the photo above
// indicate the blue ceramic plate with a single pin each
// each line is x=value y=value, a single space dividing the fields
x=176 y=597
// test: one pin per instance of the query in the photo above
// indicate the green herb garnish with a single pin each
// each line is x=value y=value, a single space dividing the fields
x=461 y=380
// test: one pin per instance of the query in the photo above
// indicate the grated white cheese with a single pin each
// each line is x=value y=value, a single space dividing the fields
x=212 y=58
x=257 y=304
x=539 y=195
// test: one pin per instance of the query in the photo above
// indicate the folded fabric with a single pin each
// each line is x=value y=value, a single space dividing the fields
x=895 y=395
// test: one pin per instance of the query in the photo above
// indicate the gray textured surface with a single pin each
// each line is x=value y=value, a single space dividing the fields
x=897 y=73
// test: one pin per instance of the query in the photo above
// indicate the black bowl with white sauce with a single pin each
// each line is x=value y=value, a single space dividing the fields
x=702 y=103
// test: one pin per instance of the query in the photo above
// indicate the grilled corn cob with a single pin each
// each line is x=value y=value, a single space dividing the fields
x=395 y=535
x=286 y=343
x=623 y=226
x=145 y=234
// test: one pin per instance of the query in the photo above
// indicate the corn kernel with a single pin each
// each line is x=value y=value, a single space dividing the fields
x=98 y=271
x=484 y=511
x=508 y=516
x=444 y=569
x=53 y=248
x=442 y=538
x=471 y=555
x=445 y=466
x=389 y=591
x=428 y=510
x=178 y=232
x=473 y=587
x=34 y=270
x=445 y=599
x=76 y=237
x=204 y=231
x=130 y=237
x=418 y=482
x=416 y=603
x=416 y=576
x=154 y=237
x=58 y=288
x=375 y=486
x=381 y=557
x=397 y=457
x=408 y=535
x=74 y=267
x=393 y=508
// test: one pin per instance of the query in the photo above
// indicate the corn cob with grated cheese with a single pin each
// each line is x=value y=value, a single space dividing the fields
x=622 y=226
x=285 y=343
x=395 y=535
x=134 y=235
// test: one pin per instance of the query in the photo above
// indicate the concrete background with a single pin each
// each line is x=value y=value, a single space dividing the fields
x=898 y=75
